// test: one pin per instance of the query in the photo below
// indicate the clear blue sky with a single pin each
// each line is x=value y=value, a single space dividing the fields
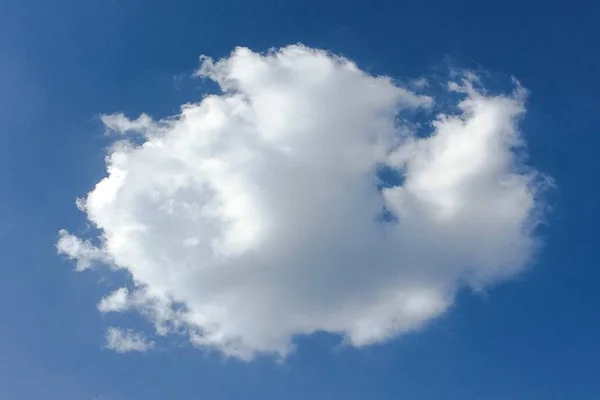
x=63 y=63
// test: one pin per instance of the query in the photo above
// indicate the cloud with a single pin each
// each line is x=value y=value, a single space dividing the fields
x=115 y=302
x=125 y=341
x=82 y=251
x=262 y=212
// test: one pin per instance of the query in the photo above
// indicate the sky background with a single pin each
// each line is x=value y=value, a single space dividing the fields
x=63 y=63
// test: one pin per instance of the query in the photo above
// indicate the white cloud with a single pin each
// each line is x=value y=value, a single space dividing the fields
x=117 y=301
x=120 y=123
x=255 y=214
x=82 y=251
x=124 y=341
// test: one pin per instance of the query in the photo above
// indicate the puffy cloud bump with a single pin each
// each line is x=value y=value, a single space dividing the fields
x=258 y=214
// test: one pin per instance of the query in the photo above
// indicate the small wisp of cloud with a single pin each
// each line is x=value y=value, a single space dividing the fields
x=126 y=340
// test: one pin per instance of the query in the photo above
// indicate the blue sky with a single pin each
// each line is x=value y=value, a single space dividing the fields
x=64 y=64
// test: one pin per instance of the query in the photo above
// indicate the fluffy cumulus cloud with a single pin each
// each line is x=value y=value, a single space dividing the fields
x=267 y=210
